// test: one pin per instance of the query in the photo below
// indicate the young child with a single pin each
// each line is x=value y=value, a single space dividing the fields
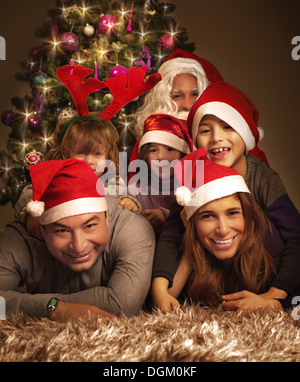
x=165 y=140
x=89 y=137
x=91 y=140
x=224 y=122
x=224 y=248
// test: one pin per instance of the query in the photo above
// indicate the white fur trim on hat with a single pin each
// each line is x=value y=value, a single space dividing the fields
x=261 y=133
x=216 y=189
x=73 y=208
x=183 y=195
x=185 y=63
x=165 y=138
x=35 y=208
x=229 y=115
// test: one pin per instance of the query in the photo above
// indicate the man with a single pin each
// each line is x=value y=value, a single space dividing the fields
x=184 y=78
x=95 y=258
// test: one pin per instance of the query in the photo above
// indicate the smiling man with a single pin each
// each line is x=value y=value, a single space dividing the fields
x=95 y=256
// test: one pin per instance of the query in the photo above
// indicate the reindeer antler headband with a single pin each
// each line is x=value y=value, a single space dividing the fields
x=124 y=89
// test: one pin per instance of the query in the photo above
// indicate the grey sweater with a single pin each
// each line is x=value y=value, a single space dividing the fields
x=118 y=282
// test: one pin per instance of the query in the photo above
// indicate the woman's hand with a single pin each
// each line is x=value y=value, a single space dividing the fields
x=247 y=301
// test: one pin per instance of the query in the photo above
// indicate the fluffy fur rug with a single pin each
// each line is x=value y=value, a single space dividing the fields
x=188 y=334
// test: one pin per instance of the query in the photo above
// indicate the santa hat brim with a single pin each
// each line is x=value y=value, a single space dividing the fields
x=177 y=62
x=165 y=138
x=217 y=189
x=229 y=115
x=73 y=208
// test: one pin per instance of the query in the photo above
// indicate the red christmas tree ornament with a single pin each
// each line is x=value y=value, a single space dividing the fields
x=167 y=42
x=69 y=42
x=107 y=24
x=116 y=70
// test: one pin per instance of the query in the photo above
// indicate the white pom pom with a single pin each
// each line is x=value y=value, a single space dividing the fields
x=261 y=133
x=183 y=195
x=36 y=208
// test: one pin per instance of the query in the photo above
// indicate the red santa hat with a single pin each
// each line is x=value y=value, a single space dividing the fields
x=167 y=130
x=232 y=106
x=63 y=188
x=201 y=181
x=183 y=58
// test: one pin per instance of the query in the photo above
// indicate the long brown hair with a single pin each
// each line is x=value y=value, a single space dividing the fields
x=90 y=133
x=251 y=268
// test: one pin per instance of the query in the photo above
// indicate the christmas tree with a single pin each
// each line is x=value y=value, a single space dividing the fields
x=107 y=36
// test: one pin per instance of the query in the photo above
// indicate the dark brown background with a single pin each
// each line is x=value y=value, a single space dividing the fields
x=248 y=41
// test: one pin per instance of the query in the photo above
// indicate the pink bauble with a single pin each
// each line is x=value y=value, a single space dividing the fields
x=33 y=157
x=117 y=70
x=167 y=42
x=69 y=42
x=107 y=24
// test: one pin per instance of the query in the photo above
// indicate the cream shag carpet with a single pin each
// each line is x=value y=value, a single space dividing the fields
x=190 y=334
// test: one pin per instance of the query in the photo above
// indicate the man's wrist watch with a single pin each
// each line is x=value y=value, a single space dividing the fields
x=51 y=306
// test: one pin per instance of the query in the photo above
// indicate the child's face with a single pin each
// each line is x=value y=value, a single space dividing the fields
x=220 y=225
x=184 y=92
x=223 y=144
x=167 y=154
x=98 y=153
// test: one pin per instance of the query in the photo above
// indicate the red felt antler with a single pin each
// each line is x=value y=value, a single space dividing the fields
x=122 y=95
x=72 y=77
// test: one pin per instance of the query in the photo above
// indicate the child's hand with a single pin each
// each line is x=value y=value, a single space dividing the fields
x=33 y=227
x=156 y=217
x=165 y=302
x=160 y=295
x=129 y=204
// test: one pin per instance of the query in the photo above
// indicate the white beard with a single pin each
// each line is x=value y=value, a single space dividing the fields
x=181 y=115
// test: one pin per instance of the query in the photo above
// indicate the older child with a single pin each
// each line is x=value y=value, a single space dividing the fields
x=224 y=121
x=165 y=140
x=224 y=248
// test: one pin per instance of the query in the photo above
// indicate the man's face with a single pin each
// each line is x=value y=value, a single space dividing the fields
x=77 y=241
x=184 y=93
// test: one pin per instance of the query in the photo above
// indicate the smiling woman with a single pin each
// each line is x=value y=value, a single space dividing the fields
x=224 y=243
x=219 y=226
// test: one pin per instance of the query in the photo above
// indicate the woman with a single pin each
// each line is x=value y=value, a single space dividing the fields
x=224 y=243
